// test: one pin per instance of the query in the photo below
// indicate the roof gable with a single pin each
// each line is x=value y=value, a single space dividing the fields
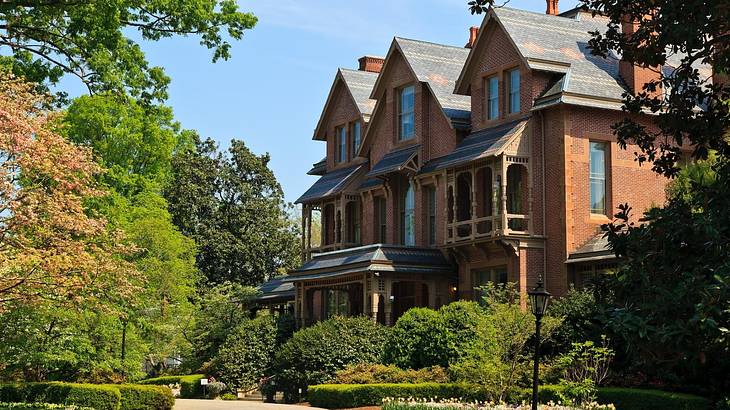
x=357 y=85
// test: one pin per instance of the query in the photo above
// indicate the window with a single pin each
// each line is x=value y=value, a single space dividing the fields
x=352 y=209
x=598 y=177
x=514 y=91
x=408 y=221
x=406 y=115
x=355 y=133
x=492 y=98
x=380 y=216
x=341 y=153
x=431 y=214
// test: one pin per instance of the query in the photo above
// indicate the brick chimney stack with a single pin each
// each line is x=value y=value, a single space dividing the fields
x=371 y=64
x=633 y=75
x=552 y=7
x=473 y=33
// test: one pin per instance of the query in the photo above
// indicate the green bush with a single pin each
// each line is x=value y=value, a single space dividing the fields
x=418 y=339
x=337 y=396
x=190 y=387
x=138 y=397
x=643 y=399
x=40 y=406
x=99 y=397
x=247 y=353
x=229 y=396
x=364 y=373
x=314 y=354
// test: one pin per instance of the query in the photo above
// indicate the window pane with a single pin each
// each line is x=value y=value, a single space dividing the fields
x=493 y=102
x=355 y=138
x=514 y=91
x=406 y=114
x=408 y=221
x=598 y=177
x=407 y=127
x=431 y=216
x=407 y=99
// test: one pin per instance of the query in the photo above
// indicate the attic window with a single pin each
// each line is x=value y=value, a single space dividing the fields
x=406 y=113
x=514 y=91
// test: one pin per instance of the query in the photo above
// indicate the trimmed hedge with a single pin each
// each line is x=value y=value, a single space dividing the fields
x=40 y=406
x=337 y=396
x=138 y=397
x=96 y=396
x=190 y=387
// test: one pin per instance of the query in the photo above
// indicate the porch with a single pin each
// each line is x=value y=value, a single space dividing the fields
x=378 y=281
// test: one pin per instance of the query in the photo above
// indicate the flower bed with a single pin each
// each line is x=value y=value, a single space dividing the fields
x=451 y=404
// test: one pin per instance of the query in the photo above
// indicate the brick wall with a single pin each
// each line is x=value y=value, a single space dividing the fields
x=341 y=112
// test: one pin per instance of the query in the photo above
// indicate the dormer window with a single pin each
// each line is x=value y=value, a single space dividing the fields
x=514 y=91
x=406 y=113
x=493 y=97
x=341 y=136
x=355 y=132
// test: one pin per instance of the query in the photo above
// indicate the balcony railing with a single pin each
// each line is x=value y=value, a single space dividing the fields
x=487 y=226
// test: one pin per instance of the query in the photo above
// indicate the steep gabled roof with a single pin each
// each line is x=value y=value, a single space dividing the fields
x=358 y=84
x=331 y=183
x=438 y=66
x=559 y=44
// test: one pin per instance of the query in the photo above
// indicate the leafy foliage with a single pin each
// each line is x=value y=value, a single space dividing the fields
x=232 y=205
x=246 y=356
x=90 y=40
x=314 y=354
x=365 y=373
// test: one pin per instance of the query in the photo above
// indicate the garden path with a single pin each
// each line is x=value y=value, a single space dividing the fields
x=188 y=404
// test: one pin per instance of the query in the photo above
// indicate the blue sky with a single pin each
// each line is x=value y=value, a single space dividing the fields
x=271 y=92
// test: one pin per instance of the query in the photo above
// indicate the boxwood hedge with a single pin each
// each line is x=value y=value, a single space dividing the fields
x=333 y=396
x=137 y=397
x=84 y=395
x=190 y=387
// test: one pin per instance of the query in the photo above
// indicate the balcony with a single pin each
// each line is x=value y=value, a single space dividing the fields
x=340 y=221
x=488 y=199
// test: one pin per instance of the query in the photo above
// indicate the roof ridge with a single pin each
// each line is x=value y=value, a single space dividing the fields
x=354 y=70
x=431 y=43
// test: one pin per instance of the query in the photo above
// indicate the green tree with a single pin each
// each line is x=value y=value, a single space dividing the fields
x=233 y=207
x=92 y=40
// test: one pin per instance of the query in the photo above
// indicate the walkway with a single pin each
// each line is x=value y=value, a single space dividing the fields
x=186 y=404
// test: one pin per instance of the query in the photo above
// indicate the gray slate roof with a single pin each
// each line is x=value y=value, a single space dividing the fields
x=564 y=41
x=376 y=258
x=360 y=84
x=370 y=183
x=439 y=65
x=394 y=161
x=480 y=144
x=275 y=290
x=597 y=248
x=330 y=183
x=319 y=168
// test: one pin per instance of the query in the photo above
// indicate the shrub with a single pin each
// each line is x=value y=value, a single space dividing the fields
x=418 y=339
x=247 y=353
x=314 y=354
x=40 y=406
x=138 y=397
x=190 y=387
x=363 y=373
x=643 y=399
x=99 y=397
x=229 y=396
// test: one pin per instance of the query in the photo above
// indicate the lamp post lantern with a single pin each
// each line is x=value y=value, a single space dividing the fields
x=539 y=299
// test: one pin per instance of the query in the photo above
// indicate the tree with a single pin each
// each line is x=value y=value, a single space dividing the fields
x=90 y=39
x=233 y=207
x=52 y=248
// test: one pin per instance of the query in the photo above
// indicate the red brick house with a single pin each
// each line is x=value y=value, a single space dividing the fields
x=448 y=167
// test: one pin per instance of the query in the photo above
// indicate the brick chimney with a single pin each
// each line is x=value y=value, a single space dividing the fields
x=473 y=33
x=552 y=7
x=633 y=75
x=371 y=64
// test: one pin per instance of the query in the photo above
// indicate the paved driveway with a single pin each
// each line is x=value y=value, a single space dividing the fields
x=185 y=404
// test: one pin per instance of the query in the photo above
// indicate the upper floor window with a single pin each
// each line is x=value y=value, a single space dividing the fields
x=408 y=220
x=352 y=210
x=492 y=97
x=598 y=177
x=380 y=219
x=431 y=213
x=355 y=132
x=341 y=154
x=514 y=91
x=406 y=113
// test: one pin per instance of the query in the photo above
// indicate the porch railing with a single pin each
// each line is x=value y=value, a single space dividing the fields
x=487 y=226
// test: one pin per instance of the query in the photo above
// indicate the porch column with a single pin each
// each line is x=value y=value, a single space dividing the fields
x=388 y=303
x=304 y=232
x=374 y=299
x=309 y=231
x=503 y=204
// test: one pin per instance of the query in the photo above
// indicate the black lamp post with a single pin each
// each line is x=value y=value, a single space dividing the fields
x=539 y=299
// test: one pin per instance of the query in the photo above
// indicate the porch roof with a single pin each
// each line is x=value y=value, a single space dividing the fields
x=330 y=183
x=479 y=144
x=596 y=249
x=373 y=258
x=394 y=161
x=276 y=290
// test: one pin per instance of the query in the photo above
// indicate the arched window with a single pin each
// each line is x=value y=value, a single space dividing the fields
x=463 y=195
x=408 y=216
